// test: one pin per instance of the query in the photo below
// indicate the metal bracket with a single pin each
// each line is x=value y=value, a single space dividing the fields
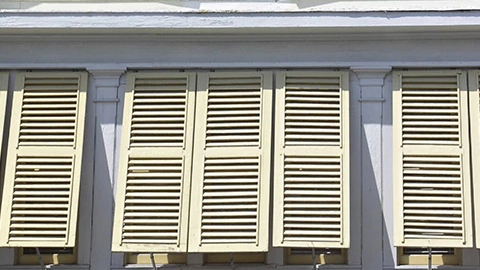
x=152 y=259
x=314 y=259
x=40 y=259
x=429 y=258
x=232 y=262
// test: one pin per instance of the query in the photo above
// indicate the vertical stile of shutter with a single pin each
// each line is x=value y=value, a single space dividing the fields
x=42 y=178
x=474 y=100
x=311 y=199
x=231 y=171
x=431 y=159
x=153 y=192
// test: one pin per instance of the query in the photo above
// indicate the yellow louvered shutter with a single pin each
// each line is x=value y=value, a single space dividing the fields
x=155 y=162
x=231 y=170
x=311 y=182
x=431 y=159
x=474 y=99
x=42 y=178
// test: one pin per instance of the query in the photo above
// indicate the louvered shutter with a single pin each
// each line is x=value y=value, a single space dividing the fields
x=474 y=99
x=311 y=182
x=42 y=178
x=431 y=159
x=231 y=170
x=155 y=162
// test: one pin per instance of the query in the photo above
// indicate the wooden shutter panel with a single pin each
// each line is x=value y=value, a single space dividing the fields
x=474 y=99
x=431 y=159
x=231 y=170
x=42 y=178
x=311 y=202
x=152 y=201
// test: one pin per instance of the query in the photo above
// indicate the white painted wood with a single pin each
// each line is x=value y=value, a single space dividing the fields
x=118 y=258
x=106 y=87
x=371 y=81
x=232 y=6
x=355 y=250
x=230 y=53
x=210 y=22
x=389 y=251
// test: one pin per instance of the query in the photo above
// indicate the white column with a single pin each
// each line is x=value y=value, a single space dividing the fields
x=371 y=82
x=106 y=101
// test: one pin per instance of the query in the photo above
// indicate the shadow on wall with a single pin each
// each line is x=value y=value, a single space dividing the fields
x=377 y=249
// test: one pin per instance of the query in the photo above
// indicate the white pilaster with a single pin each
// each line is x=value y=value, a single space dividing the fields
x=371 y=82
x=389 y=250
x=106 y=101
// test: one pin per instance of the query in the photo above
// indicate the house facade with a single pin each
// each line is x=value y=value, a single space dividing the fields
x=239 y=134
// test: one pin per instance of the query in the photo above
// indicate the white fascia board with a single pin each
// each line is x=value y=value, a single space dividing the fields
x=234 y=5
x=241 y=23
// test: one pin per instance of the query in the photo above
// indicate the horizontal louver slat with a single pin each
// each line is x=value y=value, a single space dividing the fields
x=233 y=111
x=152 y=209
x=447 y=202
x=430 y=109
x=322 y=181
x=312 y=110
x=237 y=202
x=159 y=111
x=34 y=216
x=49 y=111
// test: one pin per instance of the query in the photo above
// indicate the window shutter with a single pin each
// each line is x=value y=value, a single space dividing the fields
x=155 y=163
x=231 y=170
x=474 y=99
x=431 y=159
x=311 y=202
x=42 y=178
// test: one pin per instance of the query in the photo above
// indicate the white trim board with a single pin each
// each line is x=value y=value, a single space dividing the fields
x=246 y=23
x=176 y=6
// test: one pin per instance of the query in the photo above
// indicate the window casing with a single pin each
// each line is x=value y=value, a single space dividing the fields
x=160 y=258
x=322 y=256
x=419 y=256
x=238 y=258
x=28 y=256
